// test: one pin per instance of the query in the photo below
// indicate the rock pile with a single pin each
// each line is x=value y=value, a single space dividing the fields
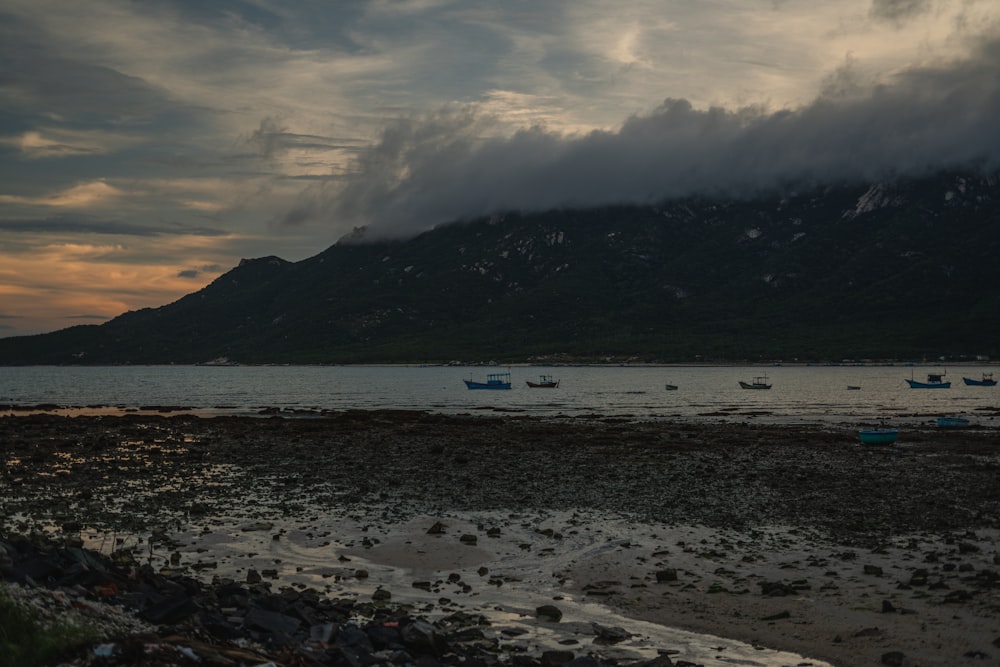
x=139 y=616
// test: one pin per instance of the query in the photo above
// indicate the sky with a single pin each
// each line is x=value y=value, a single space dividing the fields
x=146 y=146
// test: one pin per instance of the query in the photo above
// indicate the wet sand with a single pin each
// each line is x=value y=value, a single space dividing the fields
x=793 y=538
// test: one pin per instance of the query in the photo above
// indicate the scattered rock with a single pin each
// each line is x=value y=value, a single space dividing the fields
x=777 y=617
x=256 y=526
x=868 y=632
x=776 y=589
x=556 y=658
x=609 y=635
x=893 y=658
x=549 y=612
x=665 y=575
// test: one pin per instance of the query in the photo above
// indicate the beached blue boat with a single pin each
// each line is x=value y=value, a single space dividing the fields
x=493 y=381
x=934 y=381
x=953 y=422
x=878 y=436
x=987 y=381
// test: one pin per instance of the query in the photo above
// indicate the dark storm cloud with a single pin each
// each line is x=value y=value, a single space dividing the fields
x=429 y=170
x=219 y=11
x=273 y=139
x=43 y=84
x=194 y=273
x=92 y=225
x=36 y=81
x=898 y=11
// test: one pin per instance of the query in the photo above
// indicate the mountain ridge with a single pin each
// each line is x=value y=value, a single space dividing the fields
x=889 y=270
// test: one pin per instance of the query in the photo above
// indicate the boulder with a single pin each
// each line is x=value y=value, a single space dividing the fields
x=549 y=612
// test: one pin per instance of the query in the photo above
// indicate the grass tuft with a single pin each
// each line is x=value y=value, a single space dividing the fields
x=25 y=641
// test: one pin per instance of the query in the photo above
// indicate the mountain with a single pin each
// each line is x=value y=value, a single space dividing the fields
x=894 y=270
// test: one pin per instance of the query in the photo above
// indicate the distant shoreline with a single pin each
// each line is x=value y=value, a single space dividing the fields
x=531 y=364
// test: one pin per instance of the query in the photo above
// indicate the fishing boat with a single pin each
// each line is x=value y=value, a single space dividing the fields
x=934 y=381
x=493 y=381
x=987 y=381
x=758 y=383
x=878 y=436
x=953 y=422
x=544 y=382
x=671 y=387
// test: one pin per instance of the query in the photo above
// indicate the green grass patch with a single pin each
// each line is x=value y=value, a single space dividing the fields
x=25 y=641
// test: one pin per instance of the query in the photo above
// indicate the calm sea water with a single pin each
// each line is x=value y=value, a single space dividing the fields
x=800 y=394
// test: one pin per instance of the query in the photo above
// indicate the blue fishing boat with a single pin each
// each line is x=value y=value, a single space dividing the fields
x=953 y=422
x=934 y=381
x=987 y=381
x=493 y=381
x=878 y=436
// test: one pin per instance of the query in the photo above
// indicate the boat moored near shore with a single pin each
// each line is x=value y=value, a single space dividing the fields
x=953 y=422
x=934 y=381
x=986 y=381
x=493 y=381
x=758 y=383
x=878 y=436
x=544 y=382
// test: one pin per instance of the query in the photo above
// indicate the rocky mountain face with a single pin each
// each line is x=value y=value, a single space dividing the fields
x=902 y=270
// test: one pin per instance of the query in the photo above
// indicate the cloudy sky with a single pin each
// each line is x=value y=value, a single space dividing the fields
x=147 y=145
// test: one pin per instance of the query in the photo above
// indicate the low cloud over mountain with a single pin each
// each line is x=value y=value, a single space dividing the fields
x=430 y=169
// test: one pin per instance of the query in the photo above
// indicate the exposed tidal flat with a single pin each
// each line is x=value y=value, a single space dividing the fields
x=793 y=542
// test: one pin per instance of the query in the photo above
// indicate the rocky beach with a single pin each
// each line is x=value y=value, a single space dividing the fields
x=511 y=539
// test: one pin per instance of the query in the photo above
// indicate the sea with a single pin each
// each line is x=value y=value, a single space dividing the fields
x=842 y=395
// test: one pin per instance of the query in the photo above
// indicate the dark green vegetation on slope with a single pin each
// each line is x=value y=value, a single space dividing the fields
x=898 y=271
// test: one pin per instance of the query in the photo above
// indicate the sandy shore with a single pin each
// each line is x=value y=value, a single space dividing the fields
x=789 y=538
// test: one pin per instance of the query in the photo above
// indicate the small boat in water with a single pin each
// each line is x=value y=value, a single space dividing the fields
x=758 y=383
x=853 y=387
x=544 y=382
x=934 y=381
x=987 y=381
x=953 y=422
x=493 y=381
x=671 y=387
x=878 y=436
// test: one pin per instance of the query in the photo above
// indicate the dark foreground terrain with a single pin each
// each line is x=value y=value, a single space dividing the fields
x=151 y=475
